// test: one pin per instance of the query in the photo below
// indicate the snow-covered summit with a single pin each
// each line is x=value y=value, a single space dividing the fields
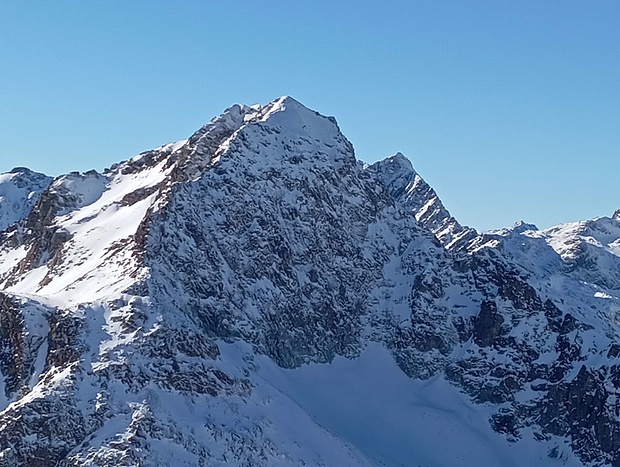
x=19 y=191
x=522 y=226
x=285 y=120
x=410 y=190
x=296 y=117
x=396 y=172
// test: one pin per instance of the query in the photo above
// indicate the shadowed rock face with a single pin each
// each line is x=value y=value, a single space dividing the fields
x=487 y=325
x=579 y=409
x=125 y=291
x=11 y=346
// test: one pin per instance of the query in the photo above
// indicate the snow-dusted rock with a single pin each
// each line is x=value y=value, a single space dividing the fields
x=411 y=191
x=20 y=189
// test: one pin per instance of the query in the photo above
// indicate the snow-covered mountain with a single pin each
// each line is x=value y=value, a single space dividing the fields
x=254 y=295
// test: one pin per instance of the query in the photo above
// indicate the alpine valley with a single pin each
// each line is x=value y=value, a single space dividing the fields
x=256 y=296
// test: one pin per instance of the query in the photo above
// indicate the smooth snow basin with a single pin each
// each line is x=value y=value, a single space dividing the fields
x=371 y=405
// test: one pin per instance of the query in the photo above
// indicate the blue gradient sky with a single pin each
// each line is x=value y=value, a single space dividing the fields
x=511 y=110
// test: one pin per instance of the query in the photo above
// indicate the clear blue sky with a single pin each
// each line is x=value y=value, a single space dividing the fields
x=510 y=109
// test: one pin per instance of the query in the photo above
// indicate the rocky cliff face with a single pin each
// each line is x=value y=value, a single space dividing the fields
x=254 y=295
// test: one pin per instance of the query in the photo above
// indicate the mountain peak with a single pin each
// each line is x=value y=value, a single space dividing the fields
x=20 y=189
x=285 y=102
x=296 y=117
x=398 y=163
x=522 y=226
x=411 y=191
x=15 y=170
x=284 y=114
x=293 y=132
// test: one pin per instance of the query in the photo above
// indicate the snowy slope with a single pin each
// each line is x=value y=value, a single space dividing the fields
x=253 y=295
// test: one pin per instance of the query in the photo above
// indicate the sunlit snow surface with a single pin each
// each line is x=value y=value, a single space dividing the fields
x=101 y=226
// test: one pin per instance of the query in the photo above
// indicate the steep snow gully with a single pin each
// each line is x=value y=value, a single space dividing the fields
x=256 y=296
